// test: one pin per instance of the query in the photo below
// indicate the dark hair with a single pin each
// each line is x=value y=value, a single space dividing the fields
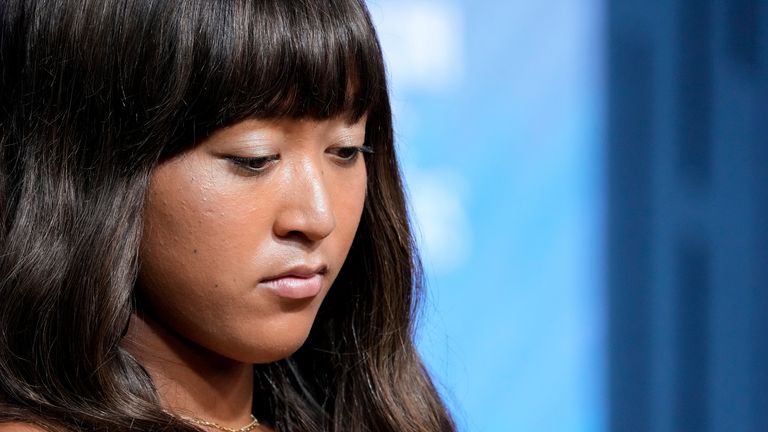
x=93 y=95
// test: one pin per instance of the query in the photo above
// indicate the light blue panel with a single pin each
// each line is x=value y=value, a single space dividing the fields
x=498 y=110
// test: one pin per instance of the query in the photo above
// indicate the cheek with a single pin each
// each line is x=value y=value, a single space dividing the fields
x=352 y=198
x=198 y=230
x=200 y=262
x=350 y=194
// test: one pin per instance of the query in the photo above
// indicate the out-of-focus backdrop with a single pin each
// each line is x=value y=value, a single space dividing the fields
x=589 y=180
x=499 y=121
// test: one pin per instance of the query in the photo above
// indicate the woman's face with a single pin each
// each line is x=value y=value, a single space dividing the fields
x=245 y=233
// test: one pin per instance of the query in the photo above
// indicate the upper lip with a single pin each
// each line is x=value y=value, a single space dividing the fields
x=303 y=271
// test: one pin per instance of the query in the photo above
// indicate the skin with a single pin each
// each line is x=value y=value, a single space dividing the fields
x=214 y=229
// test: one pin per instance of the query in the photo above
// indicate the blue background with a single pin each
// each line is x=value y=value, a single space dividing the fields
x=590 y=184
x=498 y=119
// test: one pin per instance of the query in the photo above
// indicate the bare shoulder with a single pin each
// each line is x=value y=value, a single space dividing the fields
x=20 y=427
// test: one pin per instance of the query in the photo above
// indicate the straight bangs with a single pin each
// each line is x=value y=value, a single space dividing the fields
x=242 y=59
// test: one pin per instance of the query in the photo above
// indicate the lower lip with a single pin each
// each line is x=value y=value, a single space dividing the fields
x=292 y=287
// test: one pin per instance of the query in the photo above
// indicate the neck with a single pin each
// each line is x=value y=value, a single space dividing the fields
x=191 y=381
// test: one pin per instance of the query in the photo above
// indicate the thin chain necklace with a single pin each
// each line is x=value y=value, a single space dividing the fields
x=200 y=422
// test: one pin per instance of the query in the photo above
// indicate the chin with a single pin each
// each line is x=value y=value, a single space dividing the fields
x=266 y=358
x=271 y=346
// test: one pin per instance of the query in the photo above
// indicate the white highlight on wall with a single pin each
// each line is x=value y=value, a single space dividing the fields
x=422 y=42
x=443 y=230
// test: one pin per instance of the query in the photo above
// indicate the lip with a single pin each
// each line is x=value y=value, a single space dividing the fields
x=298 y=282
x=303 y=271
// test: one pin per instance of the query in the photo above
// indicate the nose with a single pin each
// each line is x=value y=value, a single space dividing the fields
x=306 y=212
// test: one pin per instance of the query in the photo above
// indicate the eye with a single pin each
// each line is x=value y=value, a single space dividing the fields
x=254 y=165
x=349 y=154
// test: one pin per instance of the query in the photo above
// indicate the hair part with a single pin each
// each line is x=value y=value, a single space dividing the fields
x=93 y=95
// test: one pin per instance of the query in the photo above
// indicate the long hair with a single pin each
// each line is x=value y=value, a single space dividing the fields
x=96 y=93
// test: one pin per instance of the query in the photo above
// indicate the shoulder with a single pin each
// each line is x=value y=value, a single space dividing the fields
x=20 y=427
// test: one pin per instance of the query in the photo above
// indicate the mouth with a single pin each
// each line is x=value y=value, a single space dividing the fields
x=299 y=282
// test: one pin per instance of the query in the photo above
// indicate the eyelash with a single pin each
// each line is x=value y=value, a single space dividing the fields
x=258 y=165
x=254 y=165
x=353 y=152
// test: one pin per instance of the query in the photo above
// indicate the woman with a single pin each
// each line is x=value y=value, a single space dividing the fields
x=204 y=223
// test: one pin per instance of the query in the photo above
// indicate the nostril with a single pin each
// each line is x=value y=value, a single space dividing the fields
x=304 y=226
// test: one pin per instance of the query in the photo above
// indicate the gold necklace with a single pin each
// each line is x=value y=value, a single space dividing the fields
x=200 y=422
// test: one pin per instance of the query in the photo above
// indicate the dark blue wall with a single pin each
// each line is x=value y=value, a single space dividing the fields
x=688 y=215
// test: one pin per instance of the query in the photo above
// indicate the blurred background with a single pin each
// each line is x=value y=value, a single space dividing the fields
x=589 y=182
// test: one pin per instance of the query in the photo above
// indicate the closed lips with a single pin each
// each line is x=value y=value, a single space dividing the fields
x=296 y=283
